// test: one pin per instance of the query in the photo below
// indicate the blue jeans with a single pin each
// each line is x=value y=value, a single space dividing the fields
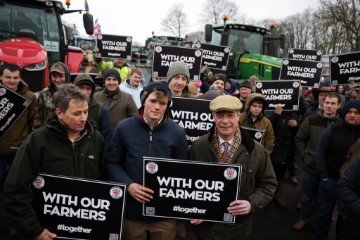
x=310 y=184
x=325 y=206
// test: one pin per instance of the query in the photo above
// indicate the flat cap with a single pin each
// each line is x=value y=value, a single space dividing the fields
x=225 y=103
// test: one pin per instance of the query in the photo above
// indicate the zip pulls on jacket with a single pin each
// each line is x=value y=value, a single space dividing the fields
x=150 y=143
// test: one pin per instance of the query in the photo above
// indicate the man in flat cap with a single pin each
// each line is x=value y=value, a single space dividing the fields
x=227 y=143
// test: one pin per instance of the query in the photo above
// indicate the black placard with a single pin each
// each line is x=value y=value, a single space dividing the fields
x=192 y=114
x=191 y=189
x=76 y=208
x=214 y=56
x=345 y=67
x=304 y=54
x=256 y=134
x=308 y=72
x=279 y=92
x=12 y=105
x=165 y=55
x=113 y=46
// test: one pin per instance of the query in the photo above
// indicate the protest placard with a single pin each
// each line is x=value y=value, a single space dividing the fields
x=192 y=114
x=113 y=46
x=76 y=208
x=12 y=105
x=165 y=55
x=256 y=134
x=304 y=54
x=285 y=93
x=308 y=72
x=190 y=189
x=345 y=67
x=214 y=56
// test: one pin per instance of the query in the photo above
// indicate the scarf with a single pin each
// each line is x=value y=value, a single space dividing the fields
x=234 y=147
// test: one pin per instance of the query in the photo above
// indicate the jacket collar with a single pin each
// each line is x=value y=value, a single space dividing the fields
x=246 y=139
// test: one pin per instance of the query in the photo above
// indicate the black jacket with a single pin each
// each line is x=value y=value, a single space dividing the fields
x=49 y=150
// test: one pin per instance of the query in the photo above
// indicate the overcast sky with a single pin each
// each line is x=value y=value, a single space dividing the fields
x=138 y=18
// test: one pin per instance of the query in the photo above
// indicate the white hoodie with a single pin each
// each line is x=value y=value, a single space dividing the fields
x=135 y=92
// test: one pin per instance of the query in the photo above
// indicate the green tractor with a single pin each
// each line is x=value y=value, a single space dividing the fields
x=249 y=44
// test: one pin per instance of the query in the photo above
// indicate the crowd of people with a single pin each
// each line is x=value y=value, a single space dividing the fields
x=74 y=130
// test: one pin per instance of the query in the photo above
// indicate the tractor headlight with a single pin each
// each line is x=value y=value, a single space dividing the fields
x=37 y=66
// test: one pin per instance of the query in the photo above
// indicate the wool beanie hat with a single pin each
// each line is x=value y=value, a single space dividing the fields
x=155 y=86
x=111 y=73
x=245 y=84
x=348 y=105
x=220 y=76
x=177 y=68
x=211 y=94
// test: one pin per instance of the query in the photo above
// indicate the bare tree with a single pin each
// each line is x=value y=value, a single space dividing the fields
x=196 y=36
x=346 y=13
x=298 y=29
x=329 y=36
x=311 y=30
x=214 y=11
x=175 y=21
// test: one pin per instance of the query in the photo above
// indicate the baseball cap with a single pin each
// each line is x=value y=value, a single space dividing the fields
x=57 y=67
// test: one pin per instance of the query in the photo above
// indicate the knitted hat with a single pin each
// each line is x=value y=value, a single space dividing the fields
x=154 y=86
x=348 y=105
x=211 y=94
x=84 y=78
x=220 y=76
x=225 y=103
x=245 y=84
x=177 y=68
x=111 y=73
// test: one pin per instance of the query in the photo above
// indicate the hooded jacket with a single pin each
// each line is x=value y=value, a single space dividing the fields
x=45 y=102
x=233 y=91
x=99 y=115
x=261 y=122
x=49 y=150
x=134 y=92
x=22 y=126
